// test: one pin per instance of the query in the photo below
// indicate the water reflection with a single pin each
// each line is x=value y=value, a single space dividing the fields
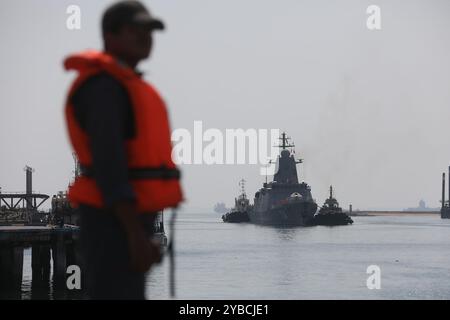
x=285 y=234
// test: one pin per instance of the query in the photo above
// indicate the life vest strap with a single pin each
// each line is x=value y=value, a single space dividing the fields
x=140 y=173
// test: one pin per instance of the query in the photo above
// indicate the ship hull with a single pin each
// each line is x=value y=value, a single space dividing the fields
x=289 y=215
x=235 y=217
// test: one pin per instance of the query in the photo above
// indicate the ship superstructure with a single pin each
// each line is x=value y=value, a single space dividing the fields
x=284 y=201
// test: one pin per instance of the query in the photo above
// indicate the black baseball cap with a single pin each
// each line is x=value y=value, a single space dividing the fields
x=128 y=12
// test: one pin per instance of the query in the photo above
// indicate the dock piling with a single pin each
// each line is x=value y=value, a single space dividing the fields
x=40 y=264
x=11 y=268
x=59 y=260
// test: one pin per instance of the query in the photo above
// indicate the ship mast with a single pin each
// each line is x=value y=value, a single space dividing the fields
x=242 y=185
x=286 y=144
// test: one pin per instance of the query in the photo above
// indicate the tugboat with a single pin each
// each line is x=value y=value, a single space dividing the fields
x=331 y=214
x=284 y=201
x=241 y=208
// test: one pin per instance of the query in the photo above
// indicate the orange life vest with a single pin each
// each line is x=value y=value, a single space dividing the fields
x=153 y=174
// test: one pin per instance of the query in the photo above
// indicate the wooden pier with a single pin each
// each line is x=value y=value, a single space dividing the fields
x=48 y=244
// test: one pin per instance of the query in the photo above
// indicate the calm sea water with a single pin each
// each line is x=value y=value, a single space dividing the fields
x=216 y=260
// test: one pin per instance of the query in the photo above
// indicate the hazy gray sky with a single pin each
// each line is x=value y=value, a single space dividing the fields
x=369 y=111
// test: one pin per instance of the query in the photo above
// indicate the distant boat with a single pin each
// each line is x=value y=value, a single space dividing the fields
x=220 y=208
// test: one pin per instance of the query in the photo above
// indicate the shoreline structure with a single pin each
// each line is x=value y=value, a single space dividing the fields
x=373 y=213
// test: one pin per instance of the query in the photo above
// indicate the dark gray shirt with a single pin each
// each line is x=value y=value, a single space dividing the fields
x=103 y=109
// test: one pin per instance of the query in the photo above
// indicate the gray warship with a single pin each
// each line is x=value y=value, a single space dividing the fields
x=284 y=201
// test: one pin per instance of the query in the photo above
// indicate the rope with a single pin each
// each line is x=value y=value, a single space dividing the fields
x=171 y=251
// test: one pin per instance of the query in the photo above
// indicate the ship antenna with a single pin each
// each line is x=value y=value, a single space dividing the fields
x=285 y=142
x=266 y=173
x=242 y=185
x=270 y=162
x=331 y=192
